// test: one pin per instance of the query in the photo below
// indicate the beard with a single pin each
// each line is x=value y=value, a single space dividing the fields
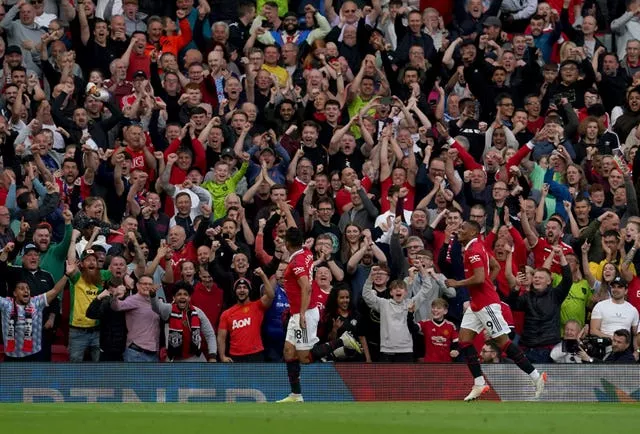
x=92 y=277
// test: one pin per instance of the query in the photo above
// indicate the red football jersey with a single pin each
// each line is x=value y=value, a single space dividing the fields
x=543 y=249
x=318 y=298
x=633 y=295
x=243 y=323
x=437 y=340
x=300 y=264
x=476 y=256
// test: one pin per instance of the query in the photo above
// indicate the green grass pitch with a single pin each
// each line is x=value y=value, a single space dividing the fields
x=311 y=418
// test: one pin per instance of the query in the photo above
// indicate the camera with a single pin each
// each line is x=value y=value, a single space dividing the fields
x=595 y=346
x=571 y=346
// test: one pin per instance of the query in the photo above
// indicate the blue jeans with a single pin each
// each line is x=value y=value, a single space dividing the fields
x=80 y=340
x=131 y=355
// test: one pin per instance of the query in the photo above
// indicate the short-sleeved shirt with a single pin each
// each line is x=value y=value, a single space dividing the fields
x=82 y=294
x=437 y=340
x=633 y=293
x=575 y=305
x=615 y=316
x=243 y=323
x=408 y=201
x=543 y=249
x=483 y=294
x=318 y=298
x=300 y=264
x=6 y=308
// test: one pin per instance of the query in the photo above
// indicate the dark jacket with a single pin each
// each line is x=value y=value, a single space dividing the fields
x=113 y=327
x=542 y=312
x=620 y=357
x=97 y=129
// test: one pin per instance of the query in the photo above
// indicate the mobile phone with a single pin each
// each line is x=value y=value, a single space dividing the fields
x=387 y=100
x=522 y=269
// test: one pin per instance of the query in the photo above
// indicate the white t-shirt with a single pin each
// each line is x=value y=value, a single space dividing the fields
x=615 y=316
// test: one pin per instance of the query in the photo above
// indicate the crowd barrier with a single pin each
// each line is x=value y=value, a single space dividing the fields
x=189 y=382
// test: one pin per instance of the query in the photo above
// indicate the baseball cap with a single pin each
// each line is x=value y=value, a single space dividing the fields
x=13 y=49
x=87 y=253
x=492 y=21
x=139 y=73
x=30 y=248
x=619 y=281
x=227 y=152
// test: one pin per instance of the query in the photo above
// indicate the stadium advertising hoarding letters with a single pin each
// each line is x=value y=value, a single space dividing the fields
x=321 y=382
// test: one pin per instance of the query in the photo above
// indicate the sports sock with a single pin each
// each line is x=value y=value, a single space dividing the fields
x=516 y=354
x=471 y=356
x=323 y=350
x=293 y=371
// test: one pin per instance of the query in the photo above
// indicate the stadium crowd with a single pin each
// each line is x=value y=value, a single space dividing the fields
x=156 y=152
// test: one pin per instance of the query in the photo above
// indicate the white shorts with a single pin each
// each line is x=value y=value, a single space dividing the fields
x=489 y=317
x=304 y=339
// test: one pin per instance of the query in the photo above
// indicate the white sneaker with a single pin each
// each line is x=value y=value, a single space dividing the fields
x=293 y=397
x=476 y=392
x=350 y=342
x=540 y=383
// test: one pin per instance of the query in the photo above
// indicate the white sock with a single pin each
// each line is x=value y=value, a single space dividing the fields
x=479 y=381
x=535 y=375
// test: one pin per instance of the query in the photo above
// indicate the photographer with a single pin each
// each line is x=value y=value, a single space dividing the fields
x=621 y=350
x=570 y=350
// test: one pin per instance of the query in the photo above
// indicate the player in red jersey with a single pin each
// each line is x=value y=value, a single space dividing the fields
x=302 y=327
x=485 y=311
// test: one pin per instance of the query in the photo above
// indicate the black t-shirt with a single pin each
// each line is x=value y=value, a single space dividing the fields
x=317 y=155
x=339 y=161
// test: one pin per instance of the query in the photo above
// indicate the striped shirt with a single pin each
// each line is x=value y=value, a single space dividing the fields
x=6 y=307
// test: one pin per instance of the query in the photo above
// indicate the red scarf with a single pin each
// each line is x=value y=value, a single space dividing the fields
x=184 y=332
x=27 y=344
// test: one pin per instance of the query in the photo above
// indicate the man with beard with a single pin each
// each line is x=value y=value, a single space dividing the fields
x=243 y=323
x=52 y=255
x=84 y=287
x=185 y=325
x=543 y=247
x=22 y=317
x=291 y=34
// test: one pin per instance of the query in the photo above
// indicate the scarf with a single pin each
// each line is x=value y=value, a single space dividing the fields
x=179 y=323
x=27 y=344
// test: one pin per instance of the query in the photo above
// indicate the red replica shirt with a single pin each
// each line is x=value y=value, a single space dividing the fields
x=437 y=340
x=483 y=294
x=296 y=189
x=300 y=264
x=633 y=294
x=543 y=249
x=243 y=323
x=343 y=197
x=318 y=298
x=210 y=302
x=384 y=200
